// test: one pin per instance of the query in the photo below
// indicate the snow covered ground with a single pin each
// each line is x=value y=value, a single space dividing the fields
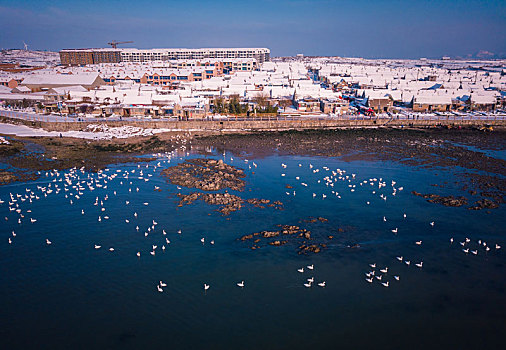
x=92 y=132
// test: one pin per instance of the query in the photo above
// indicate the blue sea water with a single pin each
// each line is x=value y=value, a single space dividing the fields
x=69 y=295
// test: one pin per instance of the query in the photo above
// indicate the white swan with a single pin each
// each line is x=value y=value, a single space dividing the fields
x=396 y=278
x=322 y=284
x=163 y=284
x=395 y=230
x=241 y=284
x=48 y=242
x=206 y=286
x=385 y=284
x=418 y=242
x=420 y=264
x=400 y=258
x=310 y=267
x=369 y=280
x=385 y=270
x=98 y=246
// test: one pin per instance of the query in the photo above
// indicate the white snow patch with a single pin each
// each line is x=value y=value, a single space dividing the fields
x=93 y=131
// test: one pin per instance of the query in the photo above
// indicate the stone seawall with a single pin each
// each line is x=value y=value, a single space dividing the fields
x=256 y=125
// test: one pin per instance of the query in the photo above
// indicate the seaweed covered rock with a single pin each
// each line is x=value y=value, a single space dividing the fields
x=206 y=174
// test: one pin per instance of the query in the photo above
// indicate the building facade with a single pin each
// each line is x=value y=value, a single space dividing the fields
x=109 y=55
x=80 y=57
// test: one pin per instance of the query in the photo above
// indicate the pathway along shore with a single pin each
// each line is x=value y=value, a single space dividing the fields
x=265 y=124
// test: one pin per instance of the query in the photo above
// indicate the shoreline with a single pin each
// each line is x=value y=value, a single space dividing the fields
x=249 y=126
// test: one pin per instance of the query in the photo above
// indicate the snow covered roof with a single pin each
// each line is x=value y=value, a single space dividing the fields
x=64 y=89
x=433 y=99
x=483 y=99
x=61 y=79
x=21 y=89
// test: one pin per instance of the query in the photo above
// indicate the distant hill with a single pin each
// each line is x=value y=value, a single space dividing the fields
x=485 y=55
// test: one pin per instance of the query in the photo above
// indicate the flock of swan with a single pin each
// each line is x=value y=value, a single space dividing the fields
x=71 y=186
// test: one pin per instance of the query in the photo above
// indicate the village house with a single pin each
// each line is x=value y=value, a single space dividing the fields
x=9 y=82
x=379 y=101
x=432 y=103
x=334 y=106
x=483 y=102
x=307 y=104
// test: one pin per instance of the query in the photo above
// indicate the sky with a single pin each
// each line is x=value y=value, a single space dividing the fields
x=357 y=28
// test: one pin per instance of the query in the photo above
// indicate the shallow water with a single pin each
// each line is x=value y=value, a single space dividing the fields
x=70 y=295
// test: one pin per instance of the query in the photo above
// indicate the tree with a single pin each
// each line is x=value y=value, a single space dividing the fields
x=261 y=99
x=285 y=103
x=234 y=104
x=218 y=105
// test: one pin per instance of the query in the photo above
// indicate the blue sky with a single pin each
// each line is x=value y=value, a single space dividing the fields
x=359 y=28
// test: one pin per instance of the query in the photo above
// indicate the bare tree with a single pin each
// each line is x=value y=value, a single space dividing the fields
x=285 y=103
x=261 y=99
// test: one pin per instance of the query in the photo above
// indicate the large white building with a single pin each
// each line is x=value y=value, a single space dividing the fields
x=137 y=55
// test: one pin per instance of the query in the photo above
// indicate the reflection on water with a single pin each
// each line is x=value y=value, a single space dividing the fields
x=71 y=295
